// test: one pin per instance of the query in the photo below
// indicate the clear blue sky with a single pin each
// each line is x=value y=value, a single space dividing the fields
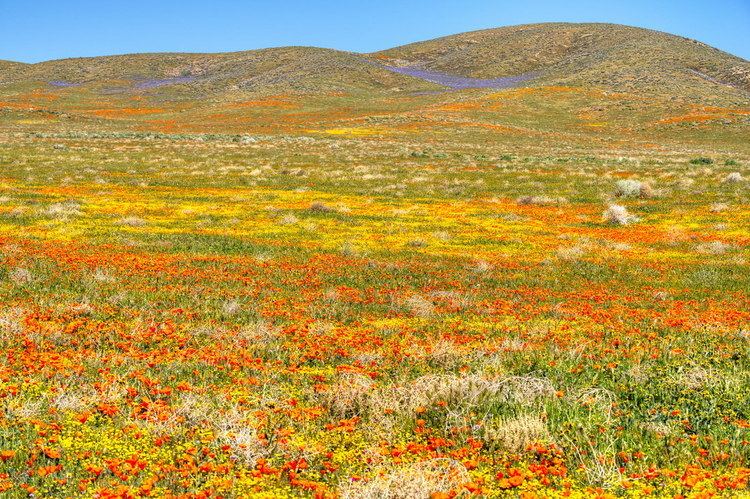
x=37 y=30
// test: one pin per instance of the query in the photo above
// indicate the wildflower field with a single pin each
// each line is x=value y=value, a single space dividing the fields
x=538 y=292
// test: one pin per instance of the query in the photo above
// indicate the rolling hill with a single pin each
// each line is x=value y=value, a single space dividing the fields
x=10 y=68
x=284 y=68
x=615 y=57
x=606 y=55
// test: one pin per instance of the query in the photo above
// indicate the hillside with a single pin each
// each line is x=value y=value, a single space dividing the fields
x=285 y=68
x=607 y=55
x=8 y=68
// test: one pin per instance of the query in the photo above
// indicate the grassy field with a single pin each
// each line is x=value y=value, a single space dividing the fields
x=534 y=292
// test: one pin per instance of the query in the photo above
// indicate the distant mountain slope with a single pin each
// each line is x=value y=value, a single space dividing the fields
x=608 y=55
x=9 y=67
x=285 y=68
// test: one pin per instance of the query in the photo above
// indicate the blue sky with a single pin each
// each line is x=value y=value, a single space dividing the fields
x=37 y=30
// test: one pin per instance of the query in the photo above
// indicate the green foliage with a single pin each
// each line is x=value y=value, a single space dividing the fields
x=701 y=161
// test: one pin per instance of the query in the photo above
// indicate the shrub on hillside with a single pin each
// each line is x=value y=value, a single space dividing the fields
x=540 y=200
x=319 y=207
x=633 y=188
x=733 y=178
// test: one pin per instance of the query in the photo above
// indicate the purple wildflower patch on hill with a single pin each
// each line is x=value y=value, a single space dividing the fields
x=155 y=83
x=460 y=82
x=64 y=84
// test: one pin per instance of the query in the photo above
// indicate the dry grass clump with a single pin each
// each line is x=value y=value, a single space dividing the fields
x=258 y=332
x=80 y=309
x=618 y=246
x=482 y=267
x=525 y=390
x=20 y=276
x=63 y=210
x=629 y=188
x=259 y=338
x=241 y=437
x=195 y=410
x=288 y=219
x=713 y=248
x=685 y=183
x=457 y=300
x=599 y=467
x=245 y=444
x=461 y=393
x=101 y=275
x=719 y=207
x=319 y=207
x=540 y=201
x=420 y=306
x=417 y=243
x=11 y=322
x=263 y=257
x=349 y=396
x=231 y=307
x=618 y=215
x=442 y=236
x=570 y=254
x=412 y=481
x=131 y=221
x=70 y=399
x=23 y=407
x=697 y=378
x=597 y=398
x=658 y=428
x=516 y=434
x=733 y=178
x=322 y=328
x=350 y=249
x=446 y=354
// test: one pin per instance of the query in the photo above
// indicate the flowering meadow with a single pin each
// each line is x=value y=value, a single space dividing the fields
x=417 y=306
